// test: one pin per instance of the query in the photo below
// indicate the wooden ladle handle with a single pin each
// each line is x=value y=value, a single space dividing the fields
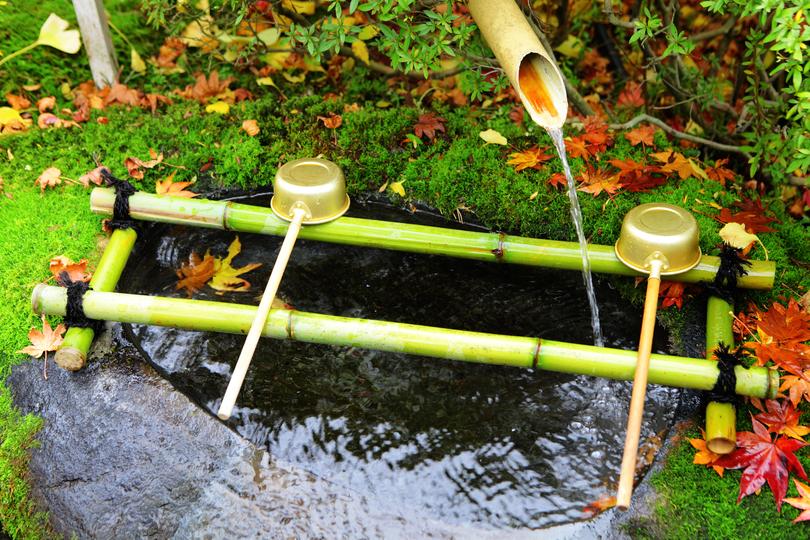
x=256 y=327
x=636 y=414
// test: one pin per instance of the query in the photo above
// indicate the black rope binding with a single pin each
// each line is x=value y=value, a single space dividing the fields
x=74 y=310
x=725 y=388
x=123 y=189
x=732 y=267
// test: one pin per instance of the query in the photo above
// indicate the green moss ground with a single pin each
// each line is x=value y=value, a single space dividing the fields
x=456 y=170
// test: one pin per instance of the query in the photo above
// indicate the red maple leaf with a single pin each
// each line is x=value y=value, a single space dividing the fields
x=558 y=180
x=783 y=418
x=428 y=124
x=631 y=96
x=781 y=331
x=751 y=214
x=671 y=293
x=764 y=460
x=637 y=177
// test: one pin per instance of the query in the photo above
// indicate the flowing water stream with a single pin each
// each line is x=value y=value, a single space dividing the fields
x=556 y=135
x=487 y=447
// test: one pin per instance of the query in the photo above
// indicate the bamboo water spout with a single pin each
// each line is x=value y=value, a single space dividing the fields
x=529 y=67
x=478 y=347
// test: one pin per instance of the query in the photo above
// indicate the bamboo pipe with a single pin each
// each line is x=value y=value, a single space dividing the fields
x=72 y=354
x=529 y=67
x=494 y=247
x=721 y=418
x=257 y=325
x=524 y=352
x=636 y=413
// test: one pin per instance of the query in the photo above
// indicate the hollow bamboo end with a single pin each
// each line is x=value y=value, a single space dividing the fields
x=35 y=297
x=70 y=359
x=773 y=383
x=721 y=445
x=541 y=88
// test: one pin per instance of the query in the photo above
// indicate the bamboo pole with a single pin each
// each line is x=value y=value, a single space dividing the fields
x=72 y=353
x=524 y=352
x=721 y=419
x=494 y=247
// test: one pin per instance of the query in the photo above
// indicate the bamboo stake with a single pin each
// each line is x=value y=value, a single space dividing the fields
x=524 y=352
x=256 y=327
x=636 y=414
x=72 y=354
x=494 y=247
x=721 y=419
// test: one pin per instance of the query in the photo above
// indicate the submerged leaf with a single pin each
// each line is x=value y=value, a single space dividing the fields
x=226 y=277
x=193 y=275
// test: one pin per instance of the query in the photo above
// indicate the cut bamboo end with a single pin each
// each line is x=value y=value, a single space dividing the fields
x=721 y=430
x=70 y=359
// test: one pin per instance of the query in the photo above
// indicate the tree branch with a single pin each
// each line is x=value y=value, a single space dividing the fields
x=680 y=134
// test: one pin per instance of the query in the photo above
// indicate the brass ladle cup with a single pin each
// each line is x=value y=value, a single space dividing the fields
x=662 y=240
x=305 y=191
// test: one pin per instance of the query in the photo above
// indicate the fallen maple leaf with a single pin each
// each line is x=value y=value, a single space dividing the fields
x=595 y=181
x=529 y=159
x=558 y=180
x=637 y=177
x=17 y=102
x=333 y=121
x=782 y=331
x=719 y=173
x=600 y=505
x=428 y=124
x=576 y=147
x=251 y=127
x=226 y=277
x=802 y=502
x=120 y=93
x=193 y=275
x=44 y=341
x=46 y=104
x=751 y=213
x=135 y=165
x=50 y=177
x=705 y=456
x=206 y=88
x=631 y=96
x=783 y=418
x=798 y=387
x=677 y=163
x=671 y=293
x=168 y=186
x=93 y=177
x=764 y=460
x=641 y=135
x=168 y=54
x=76 y=271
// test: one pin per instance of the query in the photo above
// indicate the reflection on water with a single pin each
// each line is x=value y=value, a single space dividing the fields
x=459 y=443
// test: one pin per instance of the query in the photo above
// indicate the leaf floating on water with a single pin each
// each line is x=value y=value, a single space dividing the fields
x=226 y=277
x=193 y=275
x=491 y=136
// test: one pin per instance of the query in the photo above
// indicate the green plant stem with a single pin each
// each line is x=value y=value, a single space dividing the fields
x=524 y=352
x=119 y=32
x=18 y=53
x=494 y=247
x=721 y=418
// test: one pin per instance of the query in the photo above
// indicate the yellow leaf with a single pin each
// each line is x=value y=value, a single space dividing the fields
x=382 y=104
x=360 y=51
x=571 y=47
x=368 y=32
x=491 y=136
x=297 y=6
x=397 y=188
x=200 y=32
x=295 y=79
x=265 y=81
x=220 y=107
x=383 y=187
x=9 y=116
x=54 y=33
x=735 y=235
x=226 y=277
x=269 y=36
x=137 y=63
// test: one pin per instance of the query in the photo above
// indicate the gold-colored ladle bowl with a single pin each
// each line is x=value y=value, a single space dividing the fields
x=317 y=185
x=659 y=231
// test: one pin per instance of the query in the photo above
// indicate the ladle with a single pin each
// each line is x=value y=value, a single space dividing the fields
x=305 y=191
x=662 y=240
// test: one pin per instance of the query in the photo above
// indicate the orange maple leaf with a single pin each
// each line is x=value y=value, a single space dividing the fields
x=719 y=173
x=193 y=275
x=677 y=163
x=671 y=293
x=641 y=135
x=50 y=177
x=781 y=331
x=43 y=341
x=93 y=176
x=802 y=502
x=577 y=147
x=428 y=124
x=529 y=159
x=120 y=93
x=631 y=96
x=135 y=165
x=798 y=387
x=168 y=186
x=595 y=181
x=558 y=180
x=333 y=121
x=77 y=271
x=206 y=88
x=705 y=456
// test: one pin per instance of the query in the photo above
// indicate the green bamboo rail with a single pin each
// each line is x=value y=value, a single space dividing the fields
x=721 y=418
x=72 y=354
x=525 y=352
x=405 y=237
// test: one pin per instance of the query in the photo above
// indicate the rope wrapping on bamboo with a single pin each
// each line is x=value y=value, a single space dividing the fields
x=732 y=267
x=724 y=390
x=123 y=190
x=74 y=309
